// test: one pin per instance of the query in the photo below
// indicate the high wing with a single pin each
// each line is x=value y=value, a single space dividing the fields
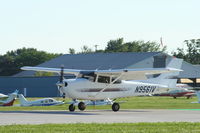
x=125 y=74
x=53 y=70
x=135 y=74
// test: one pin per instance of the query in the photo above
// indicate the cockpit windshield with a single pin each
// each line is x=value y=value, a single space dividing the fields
x=117 y=81
x=89 y=77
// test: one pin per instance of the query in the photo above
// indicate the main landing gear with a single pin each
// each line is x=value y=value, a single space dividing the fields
x=115 y=107
x=81 y=106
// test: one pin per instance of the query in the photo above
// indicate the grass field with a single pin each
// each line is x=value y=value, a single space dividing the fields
x=129 y=103
x=181 y=127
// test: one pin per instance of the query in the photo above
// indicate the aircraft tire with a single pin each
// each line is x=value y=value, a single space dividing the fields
x=71 y=108
x=81 y=106
x=188 y=97
x=115 y=107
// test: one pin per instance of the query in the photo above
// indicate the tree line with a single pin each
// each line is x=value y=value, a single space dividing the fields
x=12 y=61
x=191 y=52
x=119 y=45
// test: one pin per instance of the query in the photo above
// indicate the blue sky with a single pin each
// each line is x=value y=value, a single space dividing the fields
x=57 y=25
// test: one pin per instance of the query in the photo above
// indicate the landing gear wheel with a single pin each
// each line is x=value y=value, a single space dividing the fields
x=115 y=107
x=81 y=106
x=71 y=108
x=188 y=97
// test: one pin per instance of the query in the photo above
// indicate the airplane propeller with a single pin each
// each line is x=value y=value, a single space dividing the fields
x=62 y=74
x=60 y=83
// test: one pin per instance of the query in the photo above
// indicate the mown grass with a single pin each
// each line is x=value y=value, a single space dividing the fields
x=128 y=103
x=165 y=127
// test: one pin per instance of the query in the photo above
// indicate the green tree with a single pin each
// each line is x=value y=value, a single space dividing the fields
x=12 y=61
x=115 y=45
x=72 y=51
x=85 y=49
x=42 y=74
x=192 y=52
x=118 y=45
x=180 y=53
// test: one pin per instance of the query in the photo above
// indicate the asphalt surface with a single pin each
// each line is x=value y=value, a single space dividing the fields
x=98 y=116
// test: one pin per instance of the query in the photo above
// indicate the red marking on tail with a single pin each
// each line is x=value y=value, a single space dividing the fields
x=9 y=103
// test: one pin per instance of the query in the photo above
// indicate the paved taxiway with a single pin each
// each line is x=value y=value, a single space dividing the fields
x=98 y=116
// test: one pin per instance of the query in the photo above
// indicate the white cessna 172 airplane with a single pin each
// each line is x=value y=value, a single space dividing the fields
x=108 y=85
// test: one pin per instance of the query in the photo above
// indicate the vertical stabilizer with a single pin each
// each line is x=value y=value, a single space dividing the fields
x=22 y=100
x=174 y=63
x=169 y=79
x=10 y=100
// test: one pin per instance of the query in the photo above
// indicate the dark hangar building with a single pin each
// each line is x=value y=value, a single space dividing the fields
x=46 y=86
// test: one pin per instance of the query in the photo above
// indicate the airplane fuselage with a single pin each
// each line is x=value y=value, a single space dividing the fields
x=39 y=102
x=81 y=88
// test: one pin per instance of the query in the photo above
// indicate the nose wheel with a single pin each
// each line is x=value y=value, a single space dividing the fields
x=71 y=108
x=115 y=107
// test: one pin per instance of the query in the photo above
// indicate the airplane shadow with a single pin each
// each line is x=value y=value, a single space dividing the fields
x=87 y=112
x=51 y=112
x=129 y=110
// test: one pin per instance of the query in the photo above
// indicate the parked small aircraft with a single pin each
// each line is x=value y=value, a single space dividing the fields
x=39 y=102
x=109 y=85
x=2 y=96
x=179 y=93
x=198 y=96
x=8 y=100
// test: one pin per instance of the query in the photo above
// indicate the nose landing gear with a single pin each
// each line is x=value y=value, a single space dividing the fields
x=71 y=108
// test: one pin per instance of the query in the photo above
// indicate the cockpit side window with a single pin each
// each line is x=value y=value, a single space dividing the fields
x=103 y=79
x=117 y=81
x=50 y=100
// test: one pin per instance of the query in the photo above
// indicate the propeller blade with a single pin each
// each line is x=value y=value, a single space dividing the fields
x=61 y=84
x=61 y=73
x=63 y=95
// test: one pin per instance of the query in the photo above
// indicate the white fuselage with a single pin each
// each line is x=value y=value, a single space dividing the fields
x=42 y=102
x=81 y=88
x=39 y=102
